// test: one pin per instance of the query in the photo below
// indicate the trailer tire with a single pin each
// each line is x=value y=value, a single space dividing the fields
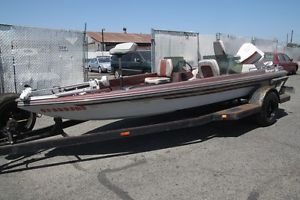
x=9 y=109
x=268 y=114
x=295 y=71
x=99 y=70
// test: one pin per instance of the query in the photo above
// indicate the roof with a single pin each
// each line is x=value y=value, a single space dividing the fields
x=120 y=37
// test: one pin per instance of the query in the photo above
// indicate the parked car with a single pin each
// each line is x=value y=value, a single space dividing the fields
x=136 y=62
x=100 y=64
x=281 y=59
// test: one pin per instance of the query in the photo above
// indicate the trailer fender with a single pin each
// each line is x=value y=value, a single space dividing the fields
x=259 y=95
x=268 y=99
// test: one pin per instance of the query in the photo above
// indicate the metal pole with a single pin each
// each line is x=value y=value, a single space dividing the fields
x=1 y=74
x=15 y=78
x=120 y=70
x=153 y=50
x=14 y=65
x=102 y=34
x=198 y=49
x=85 y=50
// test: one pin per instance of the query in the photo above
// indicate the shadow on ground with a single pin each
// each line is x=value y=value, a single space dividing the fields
x=138 y=144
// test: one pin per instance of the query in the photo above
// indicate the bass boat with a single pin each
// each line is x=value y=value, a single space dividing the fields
x=147 y=94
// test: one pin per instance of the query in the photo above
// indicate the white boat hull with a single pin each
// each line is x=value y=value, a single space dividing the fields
x=145 y=100
x=136 y=108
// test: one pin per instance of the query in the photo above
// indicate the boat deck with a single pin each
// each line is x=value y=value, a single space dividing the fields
x=139 y=80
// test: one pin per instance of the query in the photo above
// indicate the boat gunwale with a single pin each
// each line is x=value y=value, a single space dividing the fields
x=176 y=88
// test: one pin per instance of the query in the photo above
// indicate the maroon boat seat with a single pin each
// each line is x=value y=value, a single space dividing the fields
x=208 y=68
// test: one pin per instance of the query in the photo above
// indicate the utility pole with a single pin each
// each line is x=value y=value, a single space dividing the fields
x=292 y=36
x=85 y=53
x=102 y=34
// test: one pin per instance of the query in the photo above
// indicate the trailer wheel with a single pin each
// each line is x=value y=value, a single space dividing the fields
x=99 y=70
x=295 y=71
x=9 y=109
x=269 y=109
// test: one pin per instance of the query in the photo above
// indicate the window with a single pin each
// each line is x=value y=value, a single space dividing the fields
x=126 y=57
x=136 y=57
x=104 y=59
x=114 y=58
x=268 y=57
x=146 y=55
x=286 y=58
x=281 y=58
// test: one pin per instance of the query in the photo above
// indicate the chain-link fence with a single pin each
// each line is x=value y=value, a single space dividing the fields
x=41 y=58
x=233 y=43
x=192 y=47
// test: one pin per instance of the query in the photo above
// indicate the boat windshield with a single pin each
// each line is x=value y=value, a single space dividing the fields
x=104 y=59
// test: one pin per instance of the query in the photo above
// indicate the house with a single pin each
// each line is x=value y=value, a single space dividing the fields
x=104 y=41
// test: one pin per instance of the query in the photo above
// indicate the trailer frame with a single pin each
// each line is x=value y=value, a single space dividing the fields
x=236 y=112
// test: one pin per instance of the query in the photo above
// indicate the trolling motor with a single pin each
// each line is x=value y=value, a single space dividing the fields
x=120 y=50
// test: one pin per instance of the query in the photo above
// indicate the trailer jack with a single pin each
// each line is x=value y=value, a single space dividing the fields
x=10 y=130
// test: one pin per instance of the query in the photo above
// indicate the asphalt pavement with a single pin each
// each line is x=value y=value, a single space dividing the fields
x=223 y=160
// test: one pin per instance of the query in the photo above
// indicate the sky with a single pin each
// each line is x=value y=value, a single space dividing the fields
x=266 y=19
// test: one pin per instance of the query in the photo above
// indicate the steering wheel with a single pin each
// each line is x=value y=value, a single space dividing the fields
x=190 y=68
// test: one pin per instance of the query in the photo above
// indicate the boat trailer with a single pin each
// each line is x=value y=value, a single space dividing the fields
x=263 y=104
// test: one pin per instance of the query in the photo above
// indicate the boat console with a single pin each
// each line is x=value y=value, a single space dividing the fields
x=120 y=50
